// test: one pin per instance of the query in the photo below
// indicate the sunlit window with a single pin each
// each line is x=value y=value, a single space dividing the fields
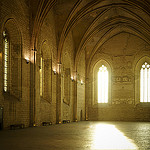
x=145 y=83
x=103 y=85
x=41 y=77
x=6 y=60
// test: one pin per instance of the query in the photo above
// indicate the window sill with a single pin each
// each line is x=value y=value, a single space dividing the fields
x=44 y=100
x=8 y=96
x=66 y=102
x=102 y=105
x=144 y=104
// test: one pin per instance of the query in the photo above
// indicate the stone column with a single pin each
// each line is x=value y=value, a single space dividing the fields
x=75 y=99
x=86 y=97
x=33 y=89
x=58 y=96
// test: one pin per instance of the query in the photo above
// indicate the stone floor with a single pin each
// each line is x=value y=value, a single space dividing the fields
x=86 y=135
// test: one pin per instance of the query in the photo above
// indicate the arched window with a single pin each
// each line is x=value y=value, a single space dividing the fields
x=12 y=61
x=6 y=60
x=67 y=85
x=145 y=83
x=41 y=77
x=45 y=73
x=103 y=84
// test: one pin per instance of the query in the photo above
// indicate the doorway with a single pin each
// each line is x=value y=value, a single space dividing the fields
x=81 y=115
x=1 y=118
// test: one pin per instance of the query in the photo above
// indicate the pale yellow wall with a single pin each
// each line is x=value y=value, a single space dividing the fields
x=124 y=84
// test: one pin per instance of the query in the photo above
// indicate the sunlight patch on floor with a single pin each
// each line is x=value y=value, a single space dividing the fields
x=107 y=136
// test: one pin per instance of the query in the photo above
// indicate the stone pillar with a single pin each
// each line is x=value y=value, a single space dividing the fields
x=86 y=97
x=58 y=96
x=75 y=99
x=33 y=89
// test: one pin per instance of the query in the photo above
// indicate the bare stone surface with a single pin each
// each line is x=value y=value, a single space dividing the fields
x=84 y=135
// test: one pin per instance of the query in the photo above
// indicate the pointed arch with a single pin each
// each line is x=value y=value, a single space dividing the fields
x=12 y=59
x=45 y=71
x=101 y=82
x=145 y=82
x=142 y=80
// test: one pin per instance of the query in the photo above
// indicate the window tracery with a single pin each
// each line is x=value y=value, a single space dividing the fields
x=103 y=85
x=145 y=83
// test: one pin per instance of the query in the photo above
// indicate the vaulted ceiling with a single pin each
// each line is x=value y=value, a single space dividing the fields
x=108 y=26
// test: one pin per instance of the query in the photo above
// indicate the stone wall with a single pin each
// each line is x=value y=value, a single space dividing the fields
x=67 y=87
x=46 y=104
x=120 y=112
x=81 y=88
x=124 y=104
x=15 y=107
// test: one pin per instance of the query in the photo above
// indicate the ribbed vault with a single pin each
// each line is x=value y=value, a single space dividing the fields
x=93 y=22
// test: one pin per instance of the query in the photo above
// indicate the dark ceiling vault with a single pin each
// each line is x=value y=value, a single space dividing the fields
x=94 y=22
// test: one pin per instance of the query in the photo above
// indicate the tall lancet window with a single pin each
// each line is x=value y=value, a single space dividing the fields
x=6 y=60
x=103 y=85
x=41 y=76
x=145 y=83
